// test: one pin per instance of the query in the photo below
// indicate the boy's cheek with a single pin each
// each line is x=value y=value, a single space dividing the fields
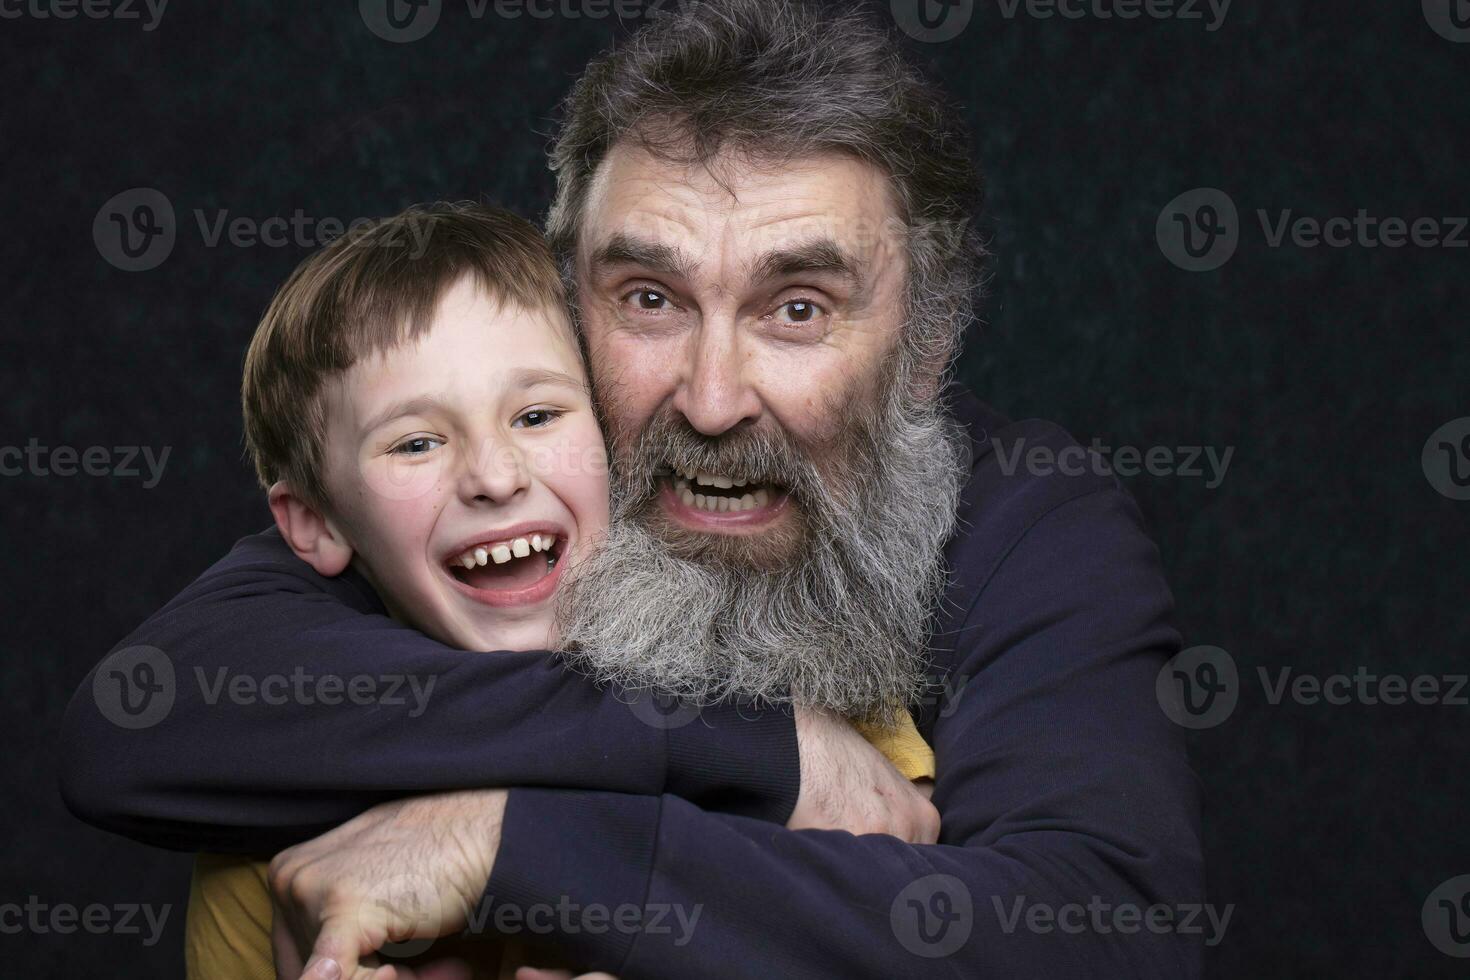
x=401 y=479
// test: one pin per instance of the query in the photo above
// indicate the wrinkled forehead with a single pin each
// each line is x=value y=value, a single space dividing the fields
x=739 y=213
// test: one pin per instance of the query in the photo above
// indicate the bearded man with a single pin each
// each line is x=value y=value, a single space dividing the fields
x=763 y=213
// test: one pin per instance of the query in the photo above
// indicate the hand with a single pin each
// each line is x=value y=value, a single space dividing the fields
x=406 y=870
x=846 y=784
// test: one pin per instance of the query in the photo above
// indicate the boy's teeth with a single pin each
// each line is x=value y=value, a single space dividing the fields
x=468 y=561
x=481 y=556
x=520 y=547
x=500 y=554
x=536 y=542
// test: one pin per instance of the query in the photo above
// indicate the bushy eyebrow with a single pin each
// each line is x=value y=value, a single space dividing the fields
x=818 y=255
x=623 y=249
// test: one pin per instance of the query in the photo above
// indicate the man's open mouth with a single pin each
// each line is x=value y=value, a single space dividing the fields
x=507 y=564
x=719 y=493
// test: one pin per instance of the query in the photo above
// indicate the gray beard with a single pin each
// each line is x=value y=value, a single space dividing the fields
x=841 y=621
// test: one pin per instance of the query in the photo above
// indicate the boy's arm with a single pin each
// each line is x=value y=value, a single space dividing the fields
x=294 y=704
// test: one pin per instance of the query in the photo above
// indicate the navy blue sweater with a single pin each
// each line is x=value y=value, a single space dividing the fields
x=1068 y=807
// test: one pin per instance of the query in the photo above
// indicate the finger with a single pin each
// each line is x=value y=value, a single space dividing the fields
x=532 y=973
x=285 y=954
x=337 y=951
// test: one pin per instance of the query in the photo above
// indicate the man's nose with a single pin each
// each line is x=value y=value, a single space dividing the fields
x=716 y=394
x=496 y=471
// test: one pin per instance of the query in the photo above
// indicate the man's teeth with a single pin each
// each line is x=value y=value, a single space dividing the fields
x=703 y=479
x=502 y=552
x=718 y=503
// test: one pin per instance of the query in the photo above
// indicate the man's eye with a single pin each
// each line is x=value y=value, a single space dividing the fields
x=649 y=299
x=417 y=446
x=798 y=311
x=535 y=418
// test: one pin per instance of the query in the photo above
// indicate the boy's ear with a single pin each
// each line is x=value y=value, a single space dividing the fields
x=310 y=533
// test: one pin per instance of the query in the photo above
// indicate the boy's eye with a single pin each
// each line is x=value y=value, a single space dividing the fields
x=535 y=418
x=417 y=446
x=798 y=311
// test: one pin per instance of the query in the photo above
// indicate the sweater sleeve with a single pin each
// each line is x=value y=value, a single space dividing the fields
x=266 y=704
x=1070 y=839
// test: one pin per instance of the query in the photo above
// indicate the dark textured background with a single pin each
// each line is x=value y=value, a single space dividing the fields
x=1324 y=549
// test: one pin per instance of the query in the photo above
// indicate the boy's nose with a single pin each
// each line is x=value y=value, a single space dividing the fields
x=495 y=474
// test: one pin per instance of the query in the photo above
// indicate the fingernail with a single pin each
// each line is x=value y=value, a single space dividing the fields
x=327 y=969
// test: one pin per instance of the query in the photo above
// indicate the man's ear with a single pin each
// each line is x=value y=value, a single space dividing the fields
x=310 y=533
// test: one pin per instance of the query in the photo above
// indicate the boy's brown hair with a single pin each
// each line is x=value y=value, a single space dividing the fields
x=364 y=293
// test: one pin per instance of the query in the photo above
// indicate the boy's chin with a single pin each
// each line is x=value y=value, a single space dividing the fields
x=504 y=630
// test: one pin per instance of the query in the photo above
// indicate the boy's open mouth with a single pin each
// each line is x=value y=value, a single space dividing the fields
x=509 y=564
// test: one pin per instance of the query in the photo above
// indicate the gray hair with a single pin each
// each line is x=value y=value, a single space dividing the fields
x=730 y=74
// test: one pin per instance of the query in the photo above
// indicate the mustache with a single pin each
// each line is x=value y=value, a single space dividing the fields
x=757 y=453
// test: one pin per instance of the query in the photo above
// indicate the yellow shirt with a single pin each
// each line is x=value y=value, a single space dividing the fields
x=228 y=932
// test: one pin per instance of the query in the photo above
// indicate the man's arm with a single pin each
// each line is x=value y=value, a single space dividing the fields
x=297 y=704
x=1062 y=787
